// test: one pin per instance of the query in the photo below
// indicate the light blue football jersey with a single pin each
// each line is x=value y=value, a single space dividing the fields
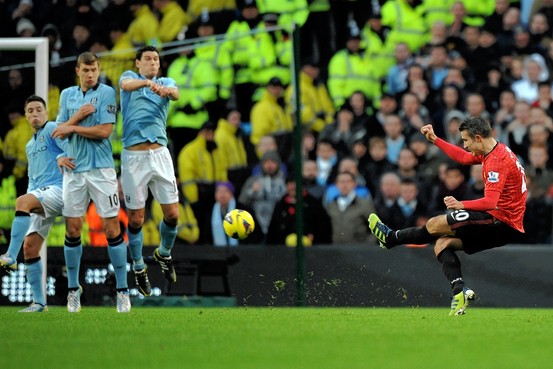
x=144 y=112
x=88 y=153
x=42 y=151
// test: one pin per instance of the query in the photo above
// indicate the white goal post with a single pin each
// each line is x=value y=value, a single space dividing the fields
x=41 y=66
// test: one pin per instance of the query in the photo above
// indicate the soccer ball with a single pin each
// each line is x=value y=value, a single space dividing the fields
x=238 y=224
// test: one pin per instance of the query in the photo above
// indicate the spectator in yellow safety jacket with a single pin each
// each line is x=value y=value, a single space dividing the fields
x=379 y=50
x=219 y=57
x=270 y=53
x=230 y=140
x=269 y=117
x=173 y=19
x=14 y=146
x=316 y=107
x=289 y=11
x=195 y=79
x=350 y=71
x=237 y=41
x=477 y=11
x=405 y=18
x=437 y=11
x=195 y=7
x=143 y=30
x=200 y=165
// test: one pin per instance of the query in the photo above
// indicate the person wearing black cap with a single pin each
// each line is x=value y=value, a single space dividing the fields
x=262 y=191
x=219 y=57
x=315 y=34
x=317 y=107
x=200 y=165
x=350 y=71
x=272 y=54
x=239 y=42
x=268 y=117
x=374 y=39
x=195 y=77
x=316 y=222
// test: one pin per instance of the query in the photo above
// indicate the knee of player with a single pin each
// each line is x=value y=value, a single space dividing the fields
x=136 y=221
x=73 y=230
x=25 y=203
x=447 y=243
x=438 y=225
x=171 y=216
x=31 y=250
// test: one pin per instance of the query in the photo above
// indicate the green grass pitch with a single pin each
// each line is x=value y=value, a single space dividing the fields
x=271 y=338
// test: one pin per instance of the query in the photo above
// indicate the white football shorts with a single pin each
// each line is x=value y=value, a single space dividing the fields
x=143 y=169
x=51 y=198
x=99 y=185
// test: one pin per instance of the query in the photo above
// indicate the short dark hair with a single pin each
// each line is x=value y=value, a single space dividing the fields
x=87 y=58
x=347 y=173
x=34 y=98
x=476 y=126
x=143 y=49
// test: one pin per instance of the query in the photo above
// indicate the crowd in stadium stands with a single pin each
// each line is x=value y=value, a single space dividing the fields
x=372 y=74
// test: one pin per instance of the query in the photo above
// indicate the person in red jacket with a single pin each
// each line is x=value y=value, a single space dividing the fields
x=470 y=225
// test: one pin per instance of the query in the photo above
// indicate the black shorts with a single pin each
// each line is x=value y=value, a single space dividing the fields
x=480 y=231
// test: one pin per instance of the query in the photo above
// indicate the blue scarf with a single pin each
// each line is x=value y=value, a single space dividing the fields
x=220 y=238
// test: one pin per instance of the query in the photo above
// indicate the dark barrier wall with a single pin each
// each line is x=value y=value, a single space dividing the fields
x=512 y=276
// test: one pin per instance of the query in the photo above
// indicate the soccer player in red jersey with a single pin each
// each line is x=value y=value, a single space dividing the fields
x=470 y=225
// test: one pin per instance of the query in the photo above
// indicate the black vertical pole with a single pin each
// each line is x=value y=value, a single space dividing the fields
x=300 y=282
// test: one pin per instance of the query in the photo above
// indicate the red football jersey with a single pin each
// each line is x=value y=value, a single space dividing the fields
x=503 y=174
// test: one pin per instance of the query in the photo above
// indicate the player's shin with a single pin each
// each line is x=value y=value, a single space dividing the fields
x=412 y=235
x=451 y=265
x=117 y=251
x=33 y=270
x=136 y=241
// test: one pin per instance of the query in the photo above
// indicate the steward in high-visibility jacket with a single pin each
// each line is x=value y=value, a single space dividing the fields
x=289 y=11
x=270 y=54
x=379 y=50
x=196 y=80
x=230 y=141
x=143 y=30
x=349 y=71
x=196 y=7
x=15 y=143
x=406 y=23
x=201 y=164
x=8 y=197
x=437 y=11
x=173 y=19
x=238 y=41
x=219 y=57
x=477 y=11
x=316 y=107
x=269 y=118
